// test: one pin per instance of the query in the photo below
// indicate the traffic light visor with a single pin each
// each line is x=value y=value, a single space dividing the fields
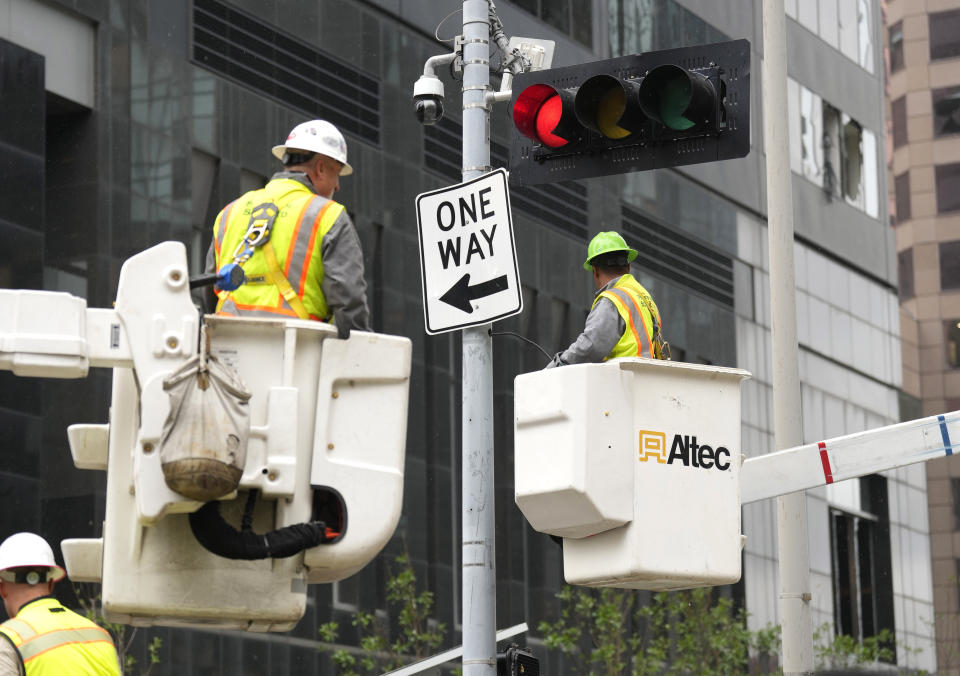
x=538 y=112
x=677 y=98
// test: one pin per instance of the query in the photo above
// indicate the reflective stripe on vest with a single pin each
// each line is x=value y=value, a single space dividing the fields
x=220 y=229
x=54 y=640
x=637 y=338
x=296 y=237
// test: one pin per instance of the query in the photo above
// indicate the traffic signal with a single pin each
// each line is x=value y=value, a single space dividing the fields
x=517 y=661
x=632 y=113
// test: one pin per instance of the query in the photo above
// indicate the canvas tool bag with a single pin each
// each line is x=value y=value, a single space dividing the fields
x=204 y=444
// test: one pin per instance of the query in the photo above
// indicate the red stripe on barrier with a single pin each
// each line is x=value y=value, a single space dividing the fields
x=825 y=461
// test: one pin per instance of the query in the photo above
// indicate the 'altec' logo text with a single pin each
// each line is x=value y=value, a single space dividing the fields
x=685 y=449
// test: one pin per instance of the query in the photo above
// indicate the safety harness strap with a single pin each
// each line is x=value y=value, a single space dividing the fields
x=661 y=348
x=282 y=283
x=257 y=236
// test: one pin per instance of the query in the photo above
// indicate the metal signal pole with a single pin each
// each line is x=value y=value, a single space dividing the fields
x=791 y=509
x=479 y=581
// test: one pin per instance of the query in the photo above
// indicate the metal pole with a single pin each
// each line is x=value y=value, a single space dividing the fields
x=479 y=589
x=791 y=509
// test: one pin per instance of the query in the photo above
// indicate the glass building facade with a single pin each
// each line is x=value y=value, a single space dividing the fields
x=127 y=123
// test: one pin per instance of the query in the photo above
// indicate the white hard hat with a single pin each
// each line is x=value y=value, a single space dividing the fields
x=28 y=550
x=317 y=136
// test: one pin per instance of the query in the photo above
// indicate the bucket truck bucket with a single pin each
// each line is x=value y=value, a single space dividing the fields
x=635 y=464
x=315 y=451
x=325 y=430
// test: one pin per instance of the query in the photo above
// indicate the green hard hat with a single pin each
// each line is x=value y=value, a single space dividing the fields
x=605 y=242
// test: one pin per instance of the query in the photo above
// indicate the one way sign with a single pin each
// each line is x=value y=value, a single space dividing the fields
x=467 y=257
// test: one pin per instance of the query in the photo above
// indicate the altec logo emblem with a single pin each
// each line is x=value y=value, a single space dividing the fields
x=684 y=449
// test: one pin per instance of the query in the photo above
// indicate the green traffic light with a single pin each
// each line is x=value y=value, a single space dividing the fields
x=678 y=99
x=674 y=98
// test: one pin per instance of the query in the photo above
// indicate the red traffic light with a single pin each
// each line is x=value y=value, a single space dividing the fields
x=545 y=115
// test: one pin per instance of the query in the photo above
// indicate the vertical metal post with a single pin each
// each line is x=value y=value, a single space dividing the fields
x=791 y=509
x=479 y=589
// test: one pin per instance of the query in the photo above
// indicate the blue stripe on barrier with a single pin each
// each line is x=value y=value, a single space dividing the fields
x=946 y=435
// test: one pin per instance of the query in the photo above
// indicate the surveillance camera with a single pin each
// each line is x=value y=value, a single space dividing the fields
x=428 y=99
x=429 y=110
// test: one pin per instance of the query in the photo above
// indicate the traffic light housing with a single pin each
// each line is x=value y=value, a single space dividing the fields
x=517 y=661
x=632 y=113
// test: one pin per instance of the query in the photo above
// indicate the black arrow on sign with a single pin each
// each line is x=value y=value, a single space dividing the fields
x=461 y=293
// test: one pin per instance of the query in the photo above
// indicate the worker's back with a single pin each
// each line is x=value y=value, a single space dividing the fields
x=296 y=219
x=54 y=640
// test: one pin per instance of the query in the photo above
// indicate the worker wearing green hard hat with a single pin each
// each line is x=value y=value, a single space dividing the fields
x=623 y=321
x=606 y=243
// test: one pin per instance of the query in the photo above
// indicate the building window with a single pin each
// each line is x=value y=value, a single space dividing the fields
x=948 y=187
x=946 y=111
x=945 y=34
x=949 y=265
x=952 y=329
x=896 y=46
x=901 y=190
x=637 y=26
x=957 y=579
x=811 y=135
x=573 y=17
x=955 y=484
x=852 y=151
x=905 y=274
x=865 y=30
x=837 y=153
x=862 y=584
x=832 y=150
x=898 y=113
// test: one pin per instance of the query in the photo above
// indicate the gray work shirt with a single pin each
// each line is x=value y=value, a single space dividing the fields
x=10 y=662
x=344 y=286
x=602 y=331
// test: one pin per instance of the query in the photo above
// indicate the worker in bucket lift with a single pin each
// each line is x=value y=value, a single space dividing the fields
x=624 y=320
x=298 y=247
x=42 y=636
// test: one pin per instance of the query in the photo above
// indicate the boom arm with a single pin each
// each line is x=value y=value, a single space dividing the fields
x=848 y=457
x=49 y=334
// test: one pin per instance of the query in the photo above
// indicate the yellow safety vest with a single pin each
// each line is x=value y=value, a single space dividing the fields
x=54 y=640
x=283 y=277
x=638 y=311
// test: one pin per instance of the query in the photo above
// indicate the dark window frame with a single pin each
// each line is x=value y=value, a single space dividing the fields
x=944 y=40
x=955 y=485
x=901 y=193
x=898 y=119
x=946 y=111
x=571 y=24
x=947 y=182
x=951 y=344
x=949 y=254
x=905 y=277
x=862 y=563
x=895 y=43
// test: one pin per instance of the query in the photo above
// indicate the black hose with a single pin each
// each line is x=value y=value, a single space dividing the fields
x=523 y=338
x=208 y=279
x=220 y=538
